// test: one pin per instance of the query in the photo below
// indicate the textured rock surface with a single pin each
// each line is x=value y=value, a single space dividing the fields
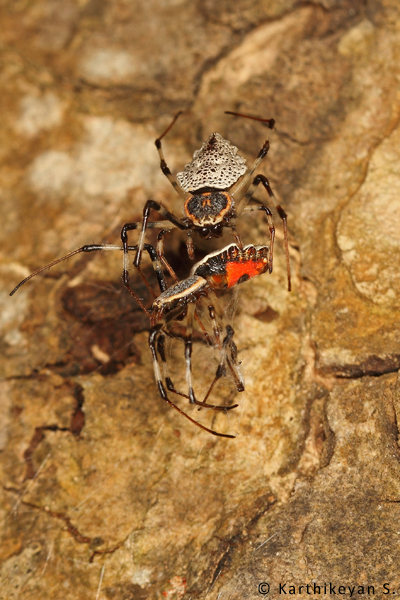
x=106 y=493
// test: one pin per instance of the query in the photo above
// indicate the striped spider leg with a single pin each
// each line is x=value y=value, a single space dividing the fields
x=87 y=248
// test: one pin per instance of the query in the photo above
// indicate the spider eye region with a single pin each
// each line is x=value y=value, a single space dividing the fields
x=208 y=208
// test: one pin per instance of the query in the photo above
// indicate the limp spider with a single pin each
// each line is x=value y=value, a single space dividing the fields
x=217 y=272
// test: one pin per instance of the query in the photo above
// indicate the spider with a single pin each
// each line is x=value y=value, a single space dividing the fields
x=217 y=272
x=185 y=299
x=216 y=187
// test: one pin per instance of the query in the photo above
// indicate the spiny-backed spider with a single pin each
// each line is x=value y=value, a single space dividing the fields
x=216 y=187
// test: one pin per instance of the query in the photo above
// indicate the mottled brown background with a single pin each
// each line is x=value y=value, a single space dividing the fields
x=106 y=493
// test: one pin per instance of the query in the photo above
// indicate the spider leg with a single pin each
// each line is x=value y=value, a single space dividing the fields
x=242 y=207
x=101 y=247
x=269 y=216
x=190 y=245
x=188 y=350
x=227 y=342
x=161 y=257
x=221 y=370
x=85 y=248
x=163 y=165
x=188 y=345
x=150 y=205
x=237 y=237
x=154 y=332
x=242 y=185
x=233 y=366
x=161 y=352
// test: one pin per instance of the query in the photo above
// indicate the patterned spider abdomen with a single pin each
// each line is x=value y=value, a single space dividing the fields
x=177 y=296
x=231 y=266
x=216 y=165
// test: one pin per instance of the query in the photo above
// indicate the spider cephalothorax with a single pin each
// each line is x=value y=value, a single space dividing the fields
x=208 y=211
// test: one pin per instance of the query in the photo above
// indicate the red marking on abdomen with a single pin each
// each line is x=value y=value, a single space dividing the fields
x=235 y=270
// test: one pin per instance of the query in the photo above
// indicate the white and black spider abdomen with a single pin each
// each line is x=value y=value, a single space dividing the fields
x=216 y=165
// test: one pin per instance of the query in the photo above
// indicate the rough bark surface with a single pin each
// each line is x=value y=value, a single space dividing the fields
x=107 y=493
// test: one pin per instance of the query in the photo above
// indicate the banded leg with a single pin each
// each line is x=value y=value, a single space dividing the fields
x=233 y=365
x=241 y=186
x=163 y=165
x=187 y=338
x=162 y=259
x=150 y=205
x=237 y=237
x=214 y=311
x=228 y=343
x=161 y=256
x=85 y=248
x=188 y=360
x=242 y=207
x=161 y=389
x=101 y=247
